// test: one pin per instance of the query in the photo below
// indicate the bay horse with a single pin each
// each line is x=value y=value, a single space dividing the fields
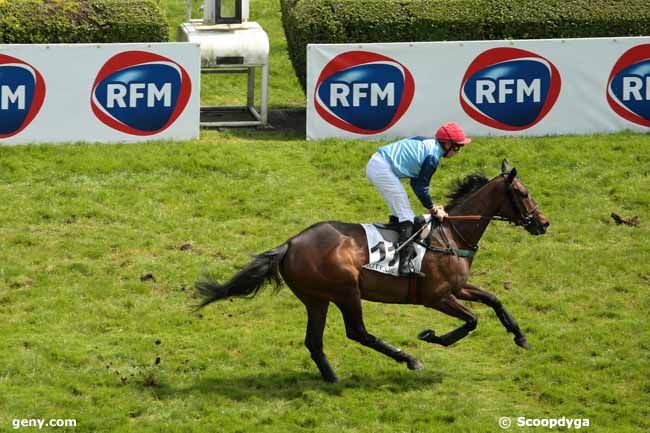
x=325 y=263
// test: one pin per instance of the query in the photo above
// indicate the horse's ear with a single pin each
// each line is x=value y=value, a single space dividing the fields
x=505 y=166
x=511 y=175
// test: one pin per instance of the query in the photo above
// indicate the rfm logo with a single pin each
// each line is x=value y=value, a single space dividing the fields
x=628 y=88
x=363 y=92
x=140 y=93
x=509 y=88
x=22 y=91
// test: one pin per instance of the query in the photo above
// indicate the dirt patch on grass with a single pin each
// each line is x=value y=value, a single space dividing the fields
x=286 y=121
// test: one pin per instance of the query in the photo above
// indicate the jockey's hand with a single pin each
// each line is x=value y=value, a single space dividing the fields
x=438 y=212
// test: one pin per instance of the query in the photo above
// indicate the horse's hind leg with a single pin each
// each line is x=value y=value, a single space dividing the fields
x=472 y=293
x=316 y=317
x=356 y=330
x=451 y=306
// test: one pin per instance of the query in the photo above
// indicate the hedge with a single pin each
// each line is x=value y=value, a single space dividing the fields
x=364 y=21
x=77 y=21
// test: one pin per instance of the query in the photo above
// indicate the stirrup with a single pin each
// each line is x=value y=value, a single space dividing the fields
x=410 y=271
x=405 y=272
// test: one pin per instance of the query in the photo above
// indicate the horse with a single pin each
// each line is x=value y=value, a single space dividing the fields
x=324 y=264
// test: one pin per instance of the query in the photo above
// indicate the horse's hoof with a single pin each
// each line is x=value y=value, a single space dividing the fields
x=415 y=365
x=521 y=342
x=427 y=335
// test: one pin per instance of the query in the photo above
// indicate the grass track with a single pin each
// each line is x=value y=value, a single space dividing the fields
x=82 y=223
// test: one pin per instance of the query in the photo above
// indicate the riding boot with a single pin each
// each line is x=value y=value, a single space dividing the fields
x=408 y=251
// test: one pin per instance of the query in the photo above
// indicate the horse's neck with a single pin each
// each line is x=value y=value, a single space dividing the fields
x=484 y=202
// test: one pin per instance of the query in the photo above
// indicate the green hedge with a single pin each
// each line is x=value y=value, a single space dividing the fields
x=77 y=21
x=357 y=21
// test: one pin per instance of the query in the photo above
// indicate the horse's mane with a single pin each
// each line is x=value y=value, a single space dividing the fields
x=465 y=187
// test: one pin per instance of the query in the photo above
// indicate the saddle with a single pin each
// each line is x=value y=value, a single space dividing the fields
x=383 y=244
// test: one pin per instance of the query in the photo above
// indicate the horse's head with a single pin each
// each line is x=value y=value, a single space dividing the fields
x=519 y=207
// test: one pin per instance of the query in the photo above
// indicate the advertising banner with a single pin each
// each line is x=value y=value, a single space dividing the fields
x=99 y=93
x=521 y=87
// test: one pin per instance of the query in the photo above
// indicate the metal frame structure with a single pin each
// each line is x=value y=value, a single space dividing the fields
x=219 y=19
x=260 y=117
x=205 y=33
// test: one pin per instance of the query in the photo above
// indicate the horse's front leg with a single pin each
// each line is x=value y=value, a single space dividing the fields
x=470 y=292
x=450 y=305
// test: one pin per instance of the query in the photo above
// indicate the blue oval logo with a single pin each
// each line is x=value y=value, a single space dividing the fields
x=22 y=92
x=509 y=88
x=363 y=92
x=140 y=93
x=628 y=89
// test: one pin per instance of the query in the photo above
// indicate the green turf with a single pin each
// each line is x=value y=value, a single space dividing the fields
x=100 y=245
x=81 y=224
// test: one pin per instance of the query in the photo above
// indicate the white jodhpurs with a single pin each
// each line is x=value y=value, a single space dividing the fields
x=390 y=188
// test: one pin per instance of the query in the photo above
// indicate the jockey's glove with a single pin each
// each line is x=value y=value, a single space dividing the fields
x=438 y=212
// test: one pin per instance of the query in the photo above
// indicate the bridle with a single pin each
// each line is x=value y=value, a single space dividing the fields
x=526 y=217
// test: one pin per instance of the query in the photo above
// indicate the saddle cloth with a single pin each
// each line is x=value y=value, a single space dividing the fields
x=382 y=244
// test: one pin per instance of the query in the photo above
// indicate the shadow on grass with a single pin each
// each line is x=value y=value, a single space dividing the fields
x=288 y=124
x=292 y=385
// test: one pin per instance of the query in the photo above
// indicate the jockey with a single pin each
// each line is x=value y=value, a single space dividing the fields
x=416 y=158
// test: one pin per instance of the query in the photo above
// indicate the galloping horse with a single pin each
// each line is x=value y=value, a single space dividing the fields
x=325 y=263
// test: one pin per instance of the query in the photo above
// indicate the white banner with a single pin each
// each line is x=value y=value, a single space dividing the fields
x=99 y=93
x=522 y=87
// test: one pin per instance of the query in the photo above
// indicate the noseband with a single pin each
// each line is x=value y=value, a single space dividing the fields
x=526 y=217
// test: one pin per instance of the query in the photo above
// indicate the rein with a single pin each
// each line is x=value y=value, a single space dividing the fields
x=472 y=248
x=526 y=218
x=465 y=217
x=475 y=218
x=449 y=250
x=471 y=252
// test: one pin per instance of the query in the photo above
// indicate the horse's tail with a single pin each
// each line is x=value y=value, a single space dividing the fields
x=265 y=268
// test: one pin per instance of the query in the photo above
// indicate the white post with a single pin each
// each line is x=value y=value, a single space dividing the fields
x=245 y=10
x=264 y=94
x=251 y=87
x=209 y=12
x=188 y=10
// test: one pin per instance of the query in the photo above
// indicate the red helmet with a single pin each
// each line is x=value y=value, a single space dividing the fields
x=451 y=131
